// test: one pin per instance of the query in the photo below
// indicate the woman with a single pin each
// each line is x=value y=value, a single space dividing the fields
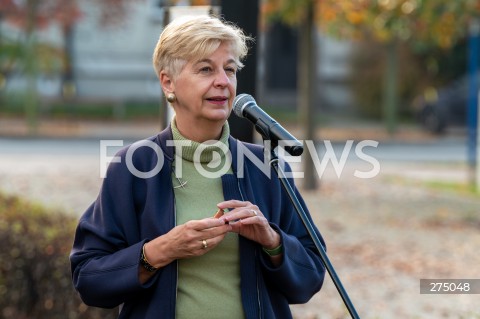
x=150 y=243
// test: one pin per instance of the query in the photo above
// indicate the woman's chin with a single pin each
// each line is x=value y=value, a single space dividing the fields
x=219 y=115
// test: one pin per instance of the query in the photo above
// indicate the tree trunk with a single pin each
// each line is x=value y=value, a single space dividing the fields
x=390 y=97
x=68 y=78
x=31 y=101
x=306 y=90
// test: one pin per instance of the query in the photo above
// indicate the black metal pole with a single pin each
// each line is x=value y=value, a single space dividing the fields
x=308 y=225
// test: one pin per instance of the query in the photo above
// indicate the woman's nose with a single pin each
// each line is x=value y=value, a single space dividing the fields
x=221 y=79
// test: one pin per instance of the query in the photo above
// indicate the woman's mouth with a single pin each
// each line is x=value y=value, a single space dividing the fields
x=217 y=99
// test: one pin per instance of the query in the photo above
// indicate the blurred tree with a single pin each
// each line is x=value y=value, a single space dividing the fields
x=31 y=15
x=301 y=13
x=420 y=24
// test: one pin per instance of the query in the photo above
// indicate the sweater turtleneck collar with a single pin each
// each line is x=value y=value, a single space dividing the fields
x=201 y=152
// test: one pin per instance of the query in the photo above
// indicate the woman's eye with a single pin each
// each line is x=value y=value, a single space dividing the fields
x=231 y=71
x=206 y=69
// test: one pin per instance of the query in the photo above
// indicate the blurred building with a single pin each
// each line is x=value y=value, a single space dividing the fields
x=116 y=62
x=109 y=62
x=113 y=63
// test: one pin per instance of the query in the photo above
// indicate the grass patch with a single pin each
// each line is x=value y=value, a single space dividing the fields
x=104 y=109
x=286 y=116
x=453 y=187
x=282 y=115
x=91 y=109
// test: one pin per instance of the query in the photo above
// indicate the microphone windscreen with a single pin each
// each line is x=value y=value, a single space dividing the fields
x=240 y=102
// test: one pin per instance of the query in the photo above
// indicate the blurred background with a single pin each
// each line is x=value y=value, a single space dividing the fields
x=403 y=73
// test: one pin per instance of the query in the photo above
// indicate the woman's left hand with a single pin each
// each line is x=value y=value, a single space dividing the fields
x=247 y=220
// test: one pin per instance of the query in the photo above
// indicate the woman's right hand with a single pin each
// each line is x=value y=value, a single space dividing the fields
x=187 y=240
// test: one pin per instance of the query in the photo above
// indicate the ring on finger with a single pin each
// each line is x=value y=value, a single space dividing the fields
x=254 y=212
x=204 y=243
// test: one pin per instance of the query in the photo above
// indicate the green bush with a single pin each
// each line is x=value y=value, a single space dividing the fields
x=35 y=278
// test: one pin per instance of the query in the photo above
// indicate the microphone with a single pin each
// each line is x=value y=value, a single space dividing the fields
x=244 y=105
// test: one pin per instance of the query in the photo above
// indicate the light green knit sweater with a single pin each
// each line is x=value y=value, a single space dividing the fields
x=209 y=285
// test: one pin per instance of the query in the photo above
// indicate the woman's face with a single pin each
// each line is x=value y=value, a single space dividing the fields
x=205 y=89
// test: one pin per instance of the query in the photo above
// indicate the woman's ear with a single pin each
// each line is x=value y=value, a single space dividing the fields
x=166 y=82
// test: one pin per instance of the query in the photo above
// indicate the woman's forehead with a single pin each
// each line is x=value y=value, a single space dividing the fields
x=224 y=49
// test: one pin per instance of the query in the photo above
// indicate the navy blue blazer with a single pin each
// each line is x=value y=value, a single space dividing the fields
x=131 y=210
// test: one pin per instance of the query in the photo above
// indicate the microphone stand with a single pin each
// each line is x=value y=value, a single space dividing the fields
x=308 y=225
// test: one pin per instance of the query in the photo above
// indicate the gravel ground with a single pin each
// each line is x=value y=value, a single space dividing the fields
x=383 y=234
x=386 y=233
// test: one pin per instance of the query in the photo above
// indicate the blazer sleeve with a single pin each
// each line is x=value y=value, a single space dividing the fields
x=302 y=272
x=106 y=251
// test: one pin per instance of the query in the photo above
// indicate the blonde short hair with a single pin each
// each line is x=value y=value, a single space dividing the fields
x=196 y=37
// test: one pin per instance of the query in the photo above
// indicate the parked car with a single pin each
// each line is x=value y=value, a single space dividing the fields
x=440 y=108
